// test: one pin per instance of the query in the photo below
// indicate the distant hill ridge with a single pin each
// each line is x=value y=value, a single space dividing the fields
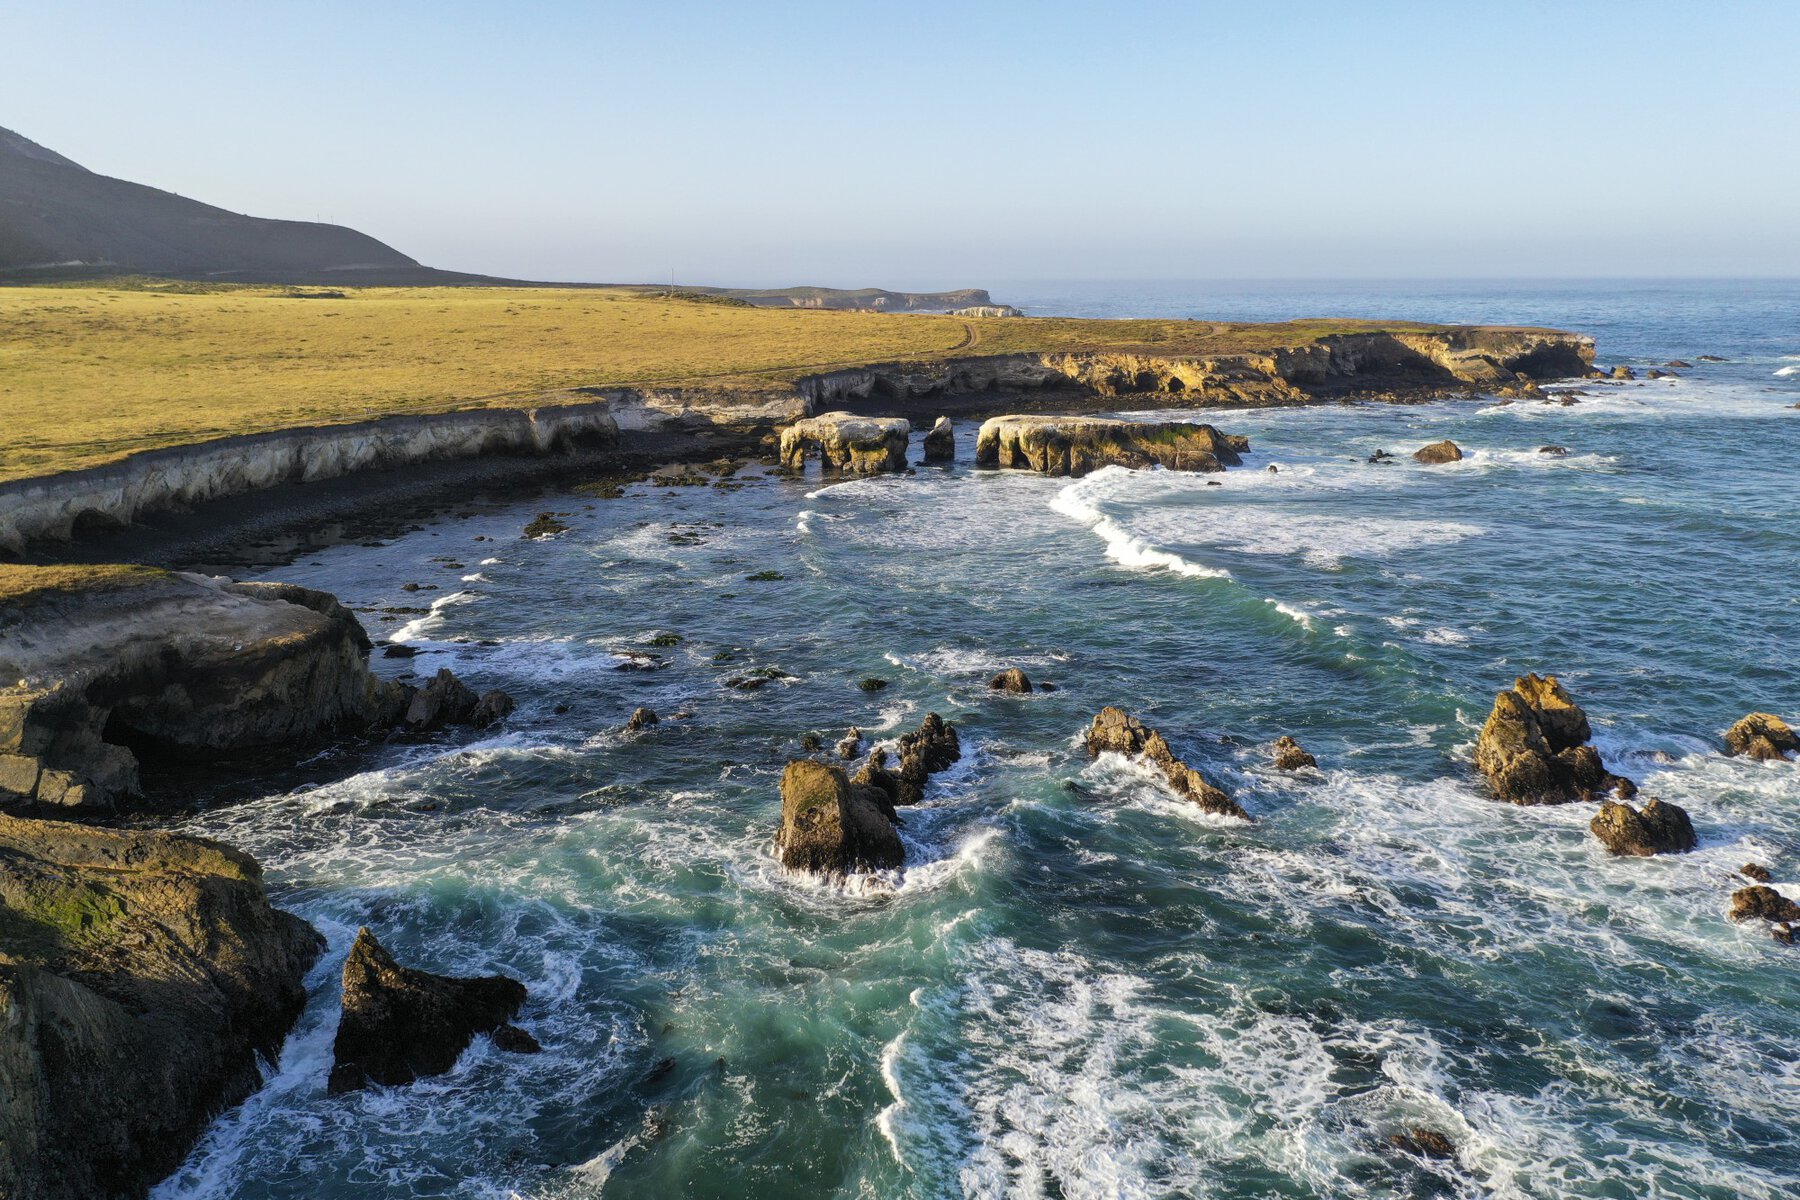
x=59 y=219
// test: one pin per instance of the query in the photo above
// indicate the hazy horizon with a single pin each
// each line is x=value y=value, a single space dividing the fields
x=943 y=145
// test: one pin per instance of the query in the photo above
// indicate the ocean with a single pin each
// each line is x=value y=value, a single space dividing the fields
x=1080 y=986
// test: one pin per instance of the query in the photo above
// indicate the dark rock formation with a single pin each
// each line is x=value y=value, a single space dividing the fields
x=1012 y=680
x=1762 y=736
x=940 y=442
x=847 y=442
x=832 y=826
x=1764 y=903
x=1423 y=1143
x=188 y=668
x=1657 y=828
x=851 y=744
x=642 y=718
x=1074 y=446
x=1116 y=730
x=1623 y=372
x=545 y=525
x=923 y=753
x=875 y=774
x=1291 y=756
x=1438 y=452
x=1554 y=451
x=1676 y=364
x=1756 y=871
x=141 y=974
x=400 y=1024
x=1534 y=748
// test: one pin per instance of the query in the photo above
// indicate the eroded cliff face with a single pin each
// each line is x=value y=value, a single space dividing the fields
x=180 y=666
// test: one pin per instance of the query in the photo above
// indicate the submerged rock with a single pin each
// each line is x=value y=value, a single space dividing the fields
x=1423 y=1143
x=1012 y=681
x=832 y=826
x=544 y=525
x=1756 y=871
x=1762 y=736
x=847 y=442
x=1074 y=446
x=1762 y=902
x=1438 y=452
x=1657 y=828
x=940 y=442
x=400 y=1024
x=141 y=976
x=1291 y=756
x=1533 y=748
x=1118 y=731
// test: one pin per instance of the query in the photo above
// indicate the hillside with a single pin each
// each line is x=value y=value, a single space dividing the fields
x=56 y=213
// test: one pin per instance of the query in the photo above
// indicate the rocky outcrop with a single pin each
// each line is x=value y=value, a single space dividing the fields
x=1657 y=828
x=831 y=826
x=185 y=667
x=1119 y=732
x=847 y=442
x=1074 y=446
x=1012 y=681
x=850 y=745
x=1291 y=755
x=401 y=1024
x=940 y=442
x=642 y=718
x=1762 y=736
x=1534 y=747
x=141 y=976
x=929 y=749
x=875 y=774
x=1763 y=903
x=1438 y=452
x=55 y=506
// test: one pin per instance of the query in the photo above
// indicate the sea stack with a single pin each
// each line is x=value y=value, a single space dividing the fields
x=1534 y=747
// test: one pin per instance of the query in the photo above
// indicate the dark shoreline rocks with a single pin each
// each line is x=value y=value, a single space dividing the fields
x=1762 y=736
x=831 y=826
x=143 y=974
x=400 y=1024
x=1438 y=453
x=1534 y=748
x=1013 y=681
x=1118 y=731
x=940 y=442
x=1290 y=755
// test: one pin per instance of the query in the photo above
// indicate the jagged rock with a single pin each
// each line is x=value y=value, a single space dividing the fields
x=1445 y=451
x=1658 y=373
x=875 y=775
x=1074 y=446
x=642 y=718
x=1763 y=902
x=1762 y=736
x=847 y=442
x=1554 y=451
x=923 y=753
x=446 y=700
x=1423 y=1143
x=1291 y=756
x=1380 y=456
x=851 y=744
x=940 y=443
x=1533 y=748
x=1623 y=372
x=832 y=826
x=494 y=707
x=1657 y=828
x=1755 y=871
x=544 y=525
x=1012 y=680
x=1118 y=731
x=400 y=1024
x=141 y=976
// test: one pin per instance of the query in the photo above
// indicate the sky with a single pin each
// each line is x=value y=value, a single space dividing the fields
x=919 y=144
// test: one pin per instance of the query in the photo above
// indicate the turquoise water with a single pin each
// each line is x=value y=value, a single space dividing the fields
x=1078 y=986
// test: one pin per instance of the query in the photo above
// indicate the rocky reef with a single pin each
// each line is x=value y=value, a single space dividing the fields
x=141 y=976
x=187 y=667
x=1534 y=747
x=847 y=442
x=1074 y=446
x=400 y=1024
x=1657 y=828
x=1118 y=731
x=832 y=826
x=1762 y=736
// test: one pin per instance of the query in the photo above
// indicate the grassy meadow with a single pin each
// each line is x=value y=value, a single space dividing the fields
x=92 y=372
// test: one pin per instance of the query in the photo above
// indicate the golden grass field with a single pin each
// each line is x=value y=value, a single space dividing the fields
x=93 y=372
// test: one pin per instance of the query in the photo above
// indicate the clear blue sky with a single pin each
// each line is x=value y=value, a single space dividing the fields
x=915 y=143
